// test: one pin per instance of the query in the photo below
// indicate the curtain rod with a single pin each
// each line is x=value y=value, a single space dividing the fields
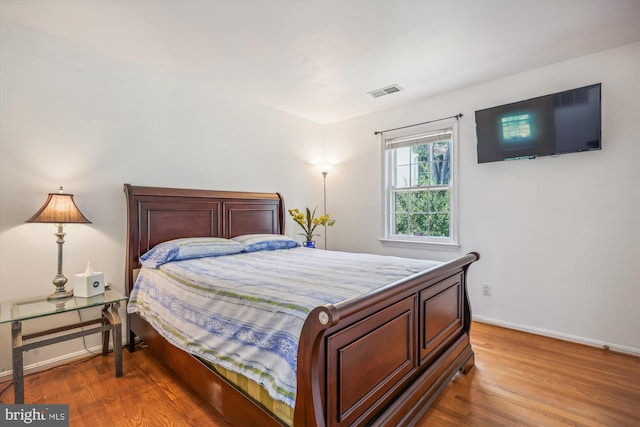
x=457 y=116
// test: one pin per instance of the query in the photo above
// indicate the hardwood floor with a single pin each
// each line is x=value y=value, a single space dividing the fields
x=528 y=380
x=519 y=380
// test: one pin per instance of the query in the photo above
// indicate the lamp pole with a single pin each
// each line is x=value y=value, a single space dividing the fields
x=324 y=201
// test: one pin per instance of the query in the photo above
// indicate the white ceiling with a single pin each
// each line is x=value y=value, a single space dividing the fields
x=318 y=59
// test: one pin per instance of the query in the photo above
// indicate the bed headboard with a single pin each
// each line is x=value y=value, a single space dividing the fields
x=156 y=214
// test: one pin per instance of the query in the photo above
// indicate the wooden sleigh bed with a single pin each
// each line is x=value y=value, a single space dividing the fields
x=425 y=317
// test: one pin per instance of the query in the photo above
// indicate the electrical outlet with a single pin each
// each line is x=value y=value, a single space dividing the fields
x=486 y=290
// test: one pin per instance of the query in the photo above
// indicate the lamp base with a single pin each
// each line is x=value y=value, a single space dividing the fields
x=60 y=280
x=60 y=294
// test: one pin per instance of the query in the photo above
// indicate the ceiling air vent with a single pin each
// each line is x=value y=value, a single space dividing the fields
x=385 y=91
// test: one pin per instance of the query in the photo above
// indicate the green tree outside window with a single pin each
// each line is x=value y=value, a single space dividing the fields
x=421 y=203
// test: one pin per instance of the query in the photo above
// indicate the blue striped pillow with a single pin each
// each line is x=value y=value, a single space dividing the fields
x=265 y=242
x=189 y=248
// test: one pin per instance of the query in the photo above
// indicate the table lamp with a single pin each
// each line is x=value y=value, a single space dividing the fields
x=60 y=209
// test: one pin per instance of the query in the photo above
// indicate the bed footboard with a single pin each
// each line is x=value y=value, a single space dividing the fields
x=382 y=358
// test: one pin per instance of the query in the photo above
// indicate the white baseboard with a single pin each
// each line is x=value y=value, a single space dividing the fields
x=558 y=335
x=56 y=361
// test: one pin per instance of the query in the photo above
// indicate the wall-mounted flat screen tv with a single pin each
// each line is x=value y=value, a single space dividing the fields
x=563 y=122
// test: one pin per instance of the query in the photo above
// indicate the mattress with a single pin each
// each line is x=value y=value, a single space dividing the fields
x=244 y=312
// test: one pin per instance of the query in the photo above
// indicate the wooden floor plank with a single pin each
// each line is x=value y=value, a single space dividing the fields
x=519 y=380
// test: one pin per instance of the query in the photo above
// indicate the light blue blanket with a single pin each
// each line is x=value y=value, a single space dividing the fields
x=245 y=312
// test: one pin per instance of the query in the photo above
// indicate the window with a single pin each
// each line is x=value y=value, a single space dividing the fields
x=419 y=187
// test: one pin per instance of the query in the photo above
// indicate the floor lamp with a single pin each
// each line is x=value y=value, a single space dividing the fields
x=325 y=168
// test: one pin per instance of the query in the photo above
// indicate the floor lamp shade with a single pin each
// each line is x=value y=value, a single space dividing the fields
x=60 y=209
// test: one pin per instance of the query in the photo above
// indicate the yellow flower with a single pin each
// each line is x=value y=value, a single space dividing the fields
x=308 y=221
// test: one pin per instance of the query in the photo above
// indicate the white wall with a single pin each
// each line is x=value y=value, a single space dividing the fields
x=559 y=237
x=72 y=116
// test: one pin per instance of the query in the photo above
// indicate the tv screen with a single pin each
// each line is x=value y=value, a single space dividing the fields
x=563 y=122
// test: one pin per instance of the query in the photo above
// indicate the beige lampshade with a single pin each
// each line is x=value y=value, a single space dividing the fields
x=59 y=209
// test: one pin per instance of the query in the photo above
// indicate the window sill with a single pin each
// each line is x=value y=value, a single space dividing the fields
x=416 y=244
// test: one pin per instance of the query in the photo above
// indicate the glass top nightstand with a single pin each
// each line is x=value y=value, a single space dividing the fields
x=17 y=312
x=39 y=307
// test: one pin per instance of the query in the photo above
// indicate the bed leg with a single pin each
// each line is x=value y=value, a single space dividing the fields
x=470 y=363
x=132 y=342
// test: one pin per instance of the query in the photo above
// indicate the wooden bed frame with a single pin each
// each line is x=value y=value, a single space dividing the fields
x=378 y=359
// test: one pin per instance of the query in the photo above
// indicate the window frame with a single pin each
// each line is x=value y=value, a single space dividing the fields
x=416 y=133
